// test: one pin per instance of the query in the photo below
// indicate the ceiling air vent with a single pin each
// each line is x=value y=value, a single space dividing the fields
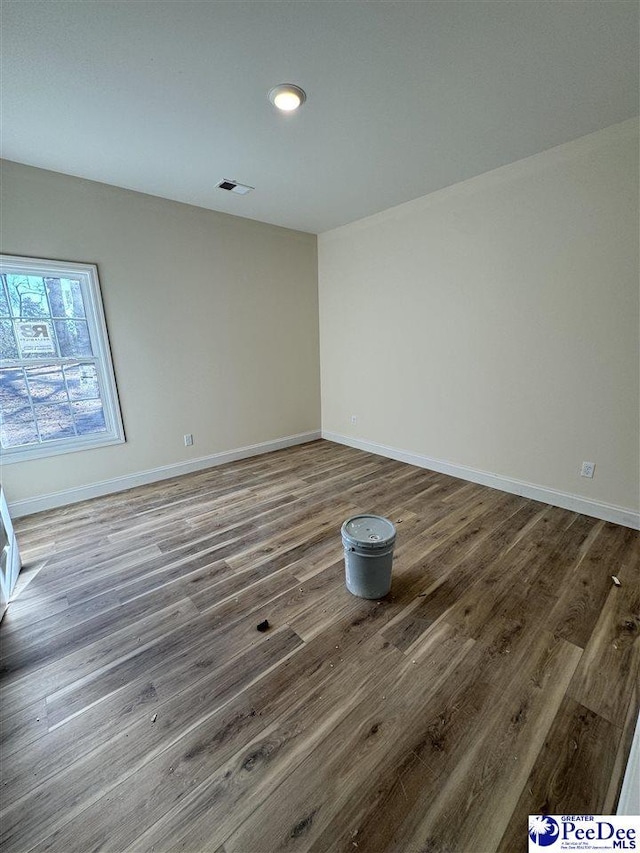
x=234 y=187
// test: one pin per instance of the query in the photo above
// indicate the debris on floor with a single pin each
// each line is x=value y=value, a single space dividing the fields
x=154 y=718
x=615 y=580
x=263 y=626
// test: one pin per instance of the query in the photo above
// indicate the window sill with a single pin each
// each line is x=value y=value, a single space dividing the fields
x=42 y=451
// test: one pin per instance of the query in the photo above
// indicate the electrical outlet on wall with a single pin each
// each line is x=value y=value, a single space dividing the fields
x=188 y=440
x=354 y=419
x=587 y=469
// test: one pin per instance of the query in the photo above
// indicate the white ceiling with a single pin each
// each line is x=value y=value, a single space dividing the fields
x=170 y=96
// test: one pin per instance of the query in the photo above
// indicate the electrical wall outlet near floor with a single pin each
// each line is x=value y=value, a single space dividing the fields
x=188 y=440
x=587 y=469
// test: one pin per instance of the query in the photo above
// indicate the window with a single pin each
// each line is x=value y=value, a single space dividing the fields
x=57 y=386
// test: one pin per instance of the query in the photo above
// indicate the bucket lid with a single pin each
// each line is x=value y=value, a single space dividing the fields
x=368 y=531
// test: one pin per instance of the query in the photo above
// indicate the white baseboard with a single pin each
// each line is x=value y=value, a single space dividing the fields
x=575 y=503
x=28 y=506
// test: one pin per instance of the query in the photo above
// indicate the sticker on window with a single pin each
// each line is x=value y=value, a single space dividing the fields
x=35 y=338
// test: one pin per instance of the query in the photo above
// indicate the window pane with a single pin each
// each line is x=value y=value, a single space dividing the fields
x=27 y=296
x=54 y=421
x=8 y=346
x=13 y=390
x=4 y=305
x=82 y=381
x=73 y=338
x=65 y=297
x=46 y=384
x=89 y=417
x=18 y=426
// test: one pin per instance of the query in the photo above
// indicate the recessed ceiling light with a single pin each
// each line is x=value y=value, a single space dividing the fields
x=287 y=97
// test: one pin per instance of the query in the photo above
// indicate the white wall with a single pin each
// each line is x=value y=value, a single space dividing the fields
x=494 y=324
x=213 y=323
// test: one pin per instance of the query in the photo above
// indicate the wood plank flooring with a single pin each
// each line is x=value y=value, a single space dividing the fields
x=142 y=711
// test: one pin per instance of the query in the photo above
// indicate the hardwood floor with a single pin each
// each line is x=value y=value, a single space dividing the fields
x=142 y=710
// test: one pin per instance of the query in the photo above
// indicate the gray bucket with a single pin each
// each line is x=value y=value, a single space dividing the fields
x=368 y=554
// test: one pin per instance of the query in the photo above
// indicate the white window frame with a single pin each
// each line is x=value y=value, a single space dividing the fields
x=87 y=275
